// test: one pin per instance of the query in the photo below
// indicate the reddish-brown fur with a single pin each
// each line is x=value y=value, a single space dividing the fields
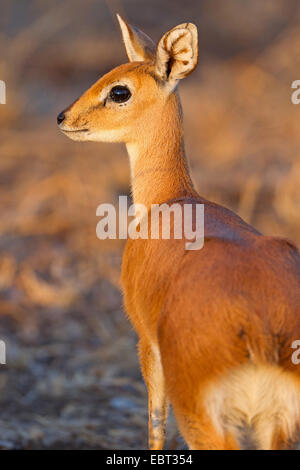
x=199 y=314
x=236 y=300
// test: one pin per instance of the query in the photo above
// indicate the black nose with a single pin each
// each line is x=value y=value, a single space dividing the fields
x=60 y=117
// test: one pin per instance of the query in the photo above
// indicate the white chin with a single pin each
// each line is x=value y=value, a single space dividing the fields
x=77 y=135
x=94 y=136
x=104 y=136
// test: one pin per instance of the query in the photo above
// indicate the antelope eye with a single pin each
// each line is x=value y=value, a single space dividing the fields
x=120 y=94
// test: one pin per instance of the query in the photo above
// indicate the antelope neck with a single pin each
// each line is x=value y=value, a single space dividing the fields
x=159 y=169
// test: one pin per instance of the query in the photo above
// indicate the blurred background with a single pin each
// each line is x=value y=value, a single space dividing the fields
x=72 y=378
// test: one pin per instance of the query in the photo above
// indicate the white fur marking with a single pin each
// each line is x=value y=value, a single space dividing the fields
x=264 y=397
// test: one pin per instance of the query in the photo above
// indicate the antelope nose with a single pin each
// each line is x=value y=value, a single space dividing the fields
x=60 y=117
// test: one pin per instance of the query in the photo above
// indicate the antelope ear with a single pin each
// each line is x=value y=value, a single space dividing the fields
x=139 y=46
x=177 y=53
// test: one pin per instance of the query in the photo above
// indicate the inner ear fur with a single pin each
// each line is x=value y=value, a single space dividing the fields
x=177 y=53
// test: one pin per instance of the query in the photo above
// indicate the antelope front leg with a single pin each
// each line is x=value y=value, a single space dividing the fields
x=157 y=399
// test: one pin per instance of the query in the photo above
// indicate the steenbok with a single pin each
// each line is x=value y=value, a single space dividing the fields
x=215 y=326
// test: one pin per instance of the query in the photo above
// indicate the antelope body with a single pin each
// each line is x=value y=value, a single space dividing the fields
x=216 y=325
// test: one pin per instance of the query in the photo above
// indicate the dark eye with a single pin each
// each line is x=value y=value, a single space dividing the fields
x=120 y=94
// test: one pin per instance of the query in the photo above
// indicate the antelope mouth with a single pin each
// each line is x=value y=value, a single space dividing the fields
x=74 y=130
x=76 y=134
